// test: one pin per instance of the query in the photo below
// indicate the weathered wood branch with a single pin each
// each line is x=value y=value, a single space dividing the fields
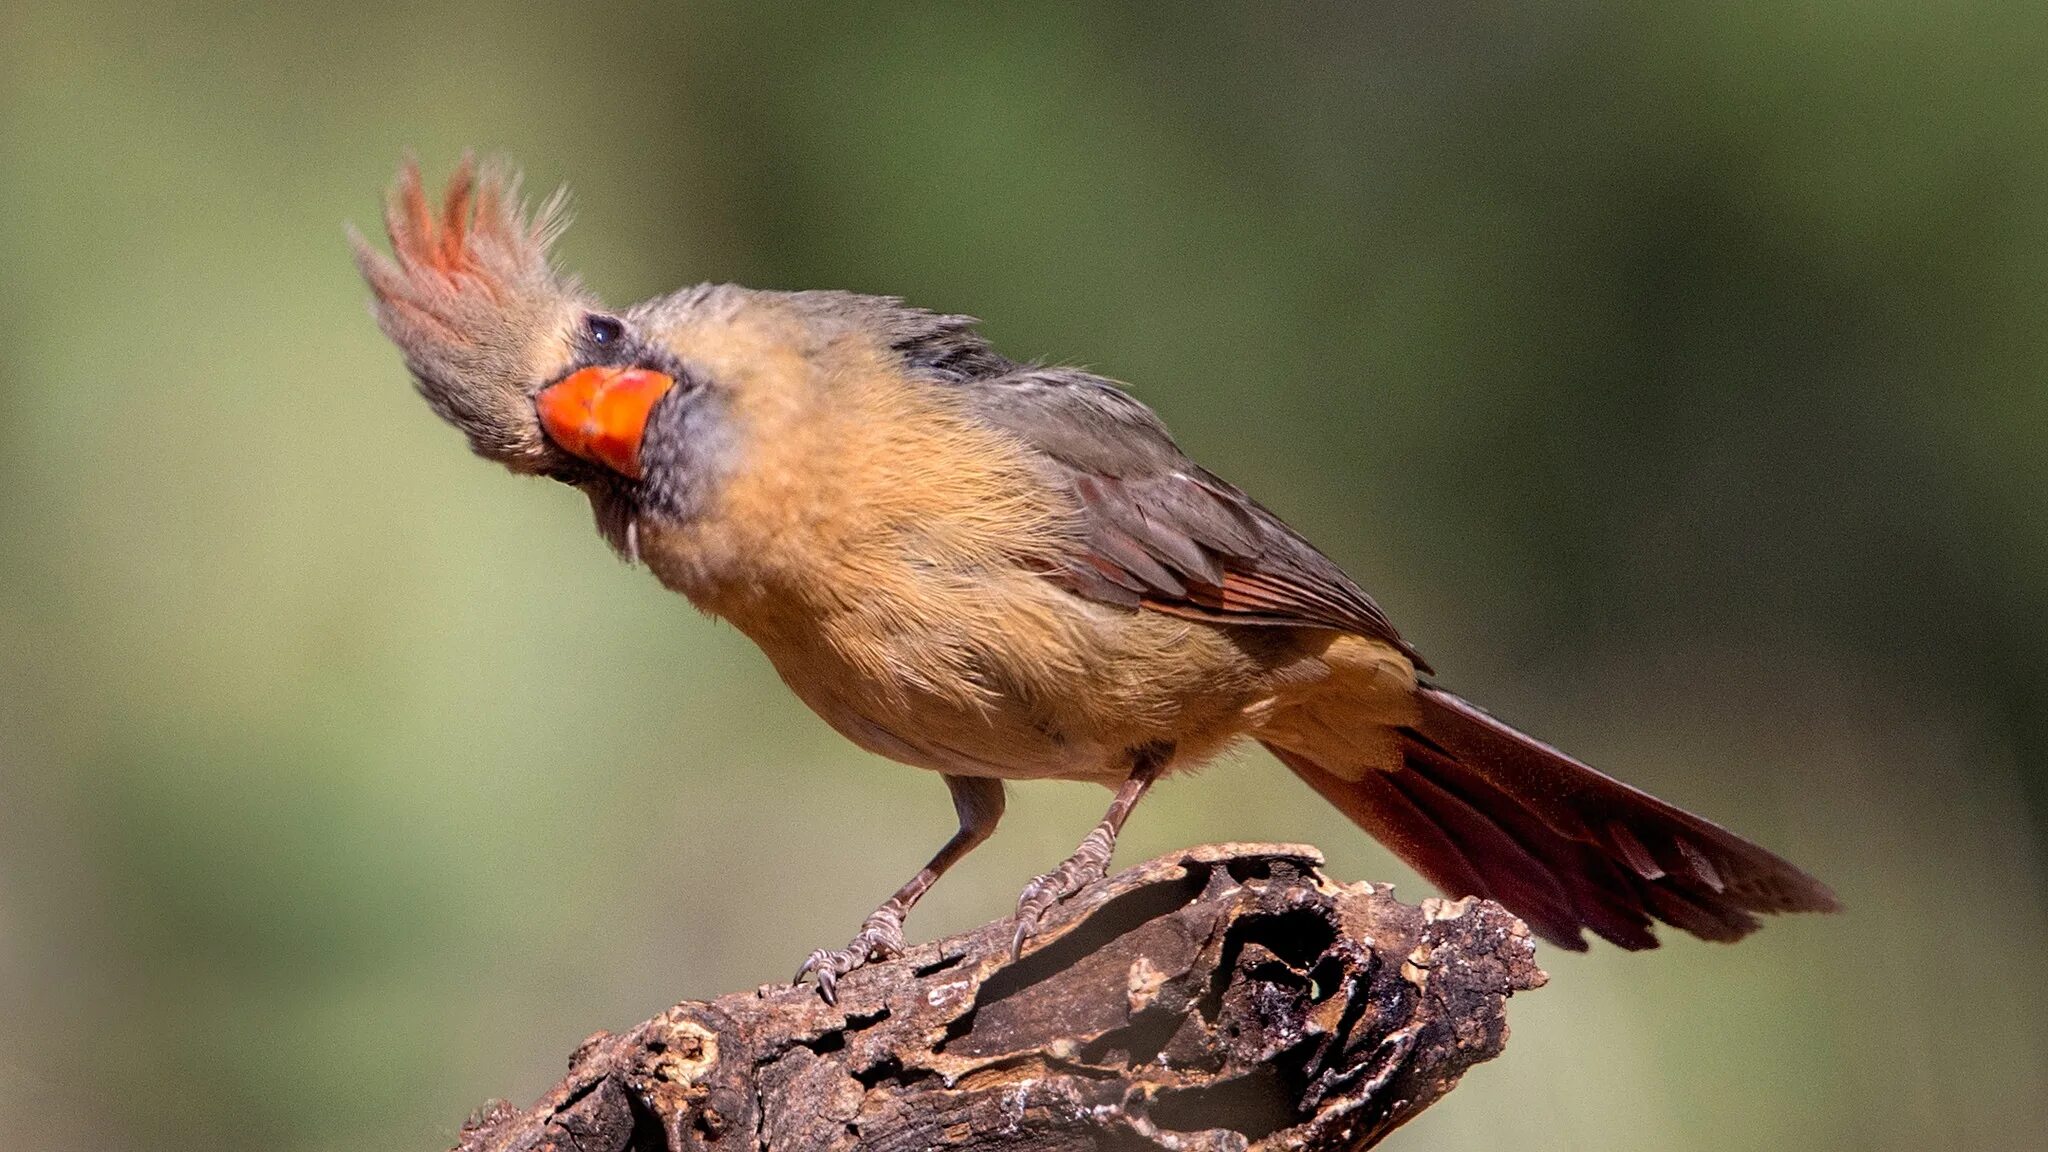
x=1222 y=998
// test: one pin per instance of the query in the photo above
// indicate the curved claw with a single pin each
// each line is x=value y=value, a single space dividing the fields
x=1042 y=893
x=880 y=938
x=821 y=962
x=811 y=964
x=1030 y=906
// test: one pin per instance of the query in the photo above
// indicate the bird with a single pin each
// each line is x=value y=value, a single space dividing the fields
x=1001 y=570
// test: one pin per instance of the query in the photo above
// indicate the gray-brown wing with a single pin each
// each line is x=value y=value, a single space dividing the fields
x=1162 y=532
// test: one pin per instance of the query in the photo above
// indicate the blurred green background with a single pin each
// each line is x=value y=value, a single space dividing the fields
x=1673 y=373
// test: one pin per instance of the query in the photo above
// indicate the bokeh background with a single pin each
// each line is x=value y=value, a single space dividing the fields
x=1673 y=373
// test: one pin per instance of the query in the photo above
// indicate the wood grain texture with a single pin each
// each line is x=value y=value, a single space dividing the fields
x=1224 y=998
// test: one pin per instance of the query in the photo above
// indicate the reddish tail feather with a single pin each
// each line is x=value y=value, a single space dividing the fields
x=1481 y=809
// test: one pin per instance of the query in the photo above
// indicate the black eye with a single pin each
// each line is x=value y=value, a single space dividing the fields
x=603 y=330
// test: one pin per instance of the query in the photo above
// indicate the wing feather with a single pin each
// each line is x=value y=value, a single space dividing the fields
x=1159 y=527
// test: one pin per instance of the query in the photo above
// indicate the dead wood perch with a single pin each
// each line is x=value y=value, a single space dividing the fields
x=1222 y=998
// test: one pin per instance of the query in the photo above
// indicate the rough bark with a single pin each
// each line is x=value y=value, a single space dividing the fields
x=1222 y=998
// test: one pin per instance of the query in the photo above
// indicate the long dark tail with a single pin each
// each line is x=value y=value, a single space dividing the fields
x=1482 y=809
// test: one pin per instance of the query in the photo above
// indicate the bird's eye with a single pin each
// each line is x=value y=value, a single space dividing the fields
x=603 y=330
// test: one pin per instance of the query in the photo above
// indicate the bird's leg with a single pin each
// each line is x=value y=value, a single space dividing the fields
x=979 y=802
x=1091 y=860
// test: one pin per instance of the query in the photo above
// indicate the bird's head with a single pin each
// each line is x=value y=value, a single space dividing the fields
x=651 y=409
x=541 y=377
x=485 y=320
x=504 y=345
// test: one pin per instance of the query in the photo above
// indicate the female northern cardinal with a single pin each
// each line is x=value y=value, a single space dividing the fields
x=1003 y=571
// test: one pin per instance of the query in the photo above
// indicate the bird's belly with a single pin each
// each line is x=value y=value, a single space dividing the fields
x=969 y=744
x=962 y=733
x=1046 y=686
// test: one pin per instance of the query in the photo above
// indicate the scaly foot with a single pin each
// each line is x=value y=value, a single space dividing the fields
x=880 y=938
x=1089 y=863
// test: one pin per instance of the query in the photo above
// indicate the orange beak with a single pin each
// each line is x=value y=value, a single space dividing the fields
x=601 y=413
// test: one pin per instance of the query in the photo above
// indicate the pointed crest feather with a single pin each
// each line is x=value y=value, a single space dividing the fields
x=471 y=297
